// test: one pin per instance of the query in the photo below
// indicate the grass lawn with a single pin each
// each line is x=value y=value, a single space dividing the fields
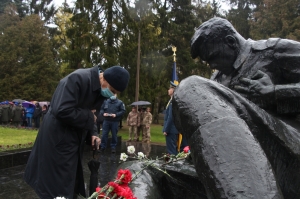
x=156 y=133
x=25 y=137
x=11 y=136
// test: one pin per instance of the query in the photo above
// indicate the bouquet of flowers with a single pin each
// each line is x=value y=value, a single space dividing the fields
x=119 y=188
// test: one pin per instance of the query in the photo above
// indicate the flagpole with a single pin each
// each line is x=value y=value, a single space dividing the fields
x=175 y=77
x=174 y=52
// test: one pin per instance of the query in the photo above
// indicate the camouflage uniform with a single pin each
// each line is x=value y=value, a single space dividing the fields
x=147 y=120
x=133 y=121
x=141 y=127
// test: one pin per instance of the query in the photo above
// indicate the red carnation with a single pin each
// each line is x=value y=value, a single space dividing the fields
x=98 y=189
x=115 y=186
x=124 y=176
x=126 y=193
x=186 y=149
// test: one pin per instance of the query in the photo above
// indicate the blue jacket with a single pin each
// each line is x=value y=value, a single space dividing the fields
x=113 y=106
x=169 y=126
x=30 y=111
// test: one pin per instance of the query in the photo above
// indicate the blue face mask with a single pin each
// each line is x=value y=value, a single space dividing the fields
x=113 y=97
x=105 y=92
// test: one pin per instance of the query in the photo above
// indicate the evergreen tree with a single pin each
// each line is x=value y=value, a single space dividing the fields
x=186 y=17
x=3 y=4
x=26 y=61
x=276 y=18
x=239 y=16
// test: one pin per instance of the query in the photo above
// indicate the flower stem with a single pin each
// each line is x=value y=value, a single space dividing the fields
x=143 y=170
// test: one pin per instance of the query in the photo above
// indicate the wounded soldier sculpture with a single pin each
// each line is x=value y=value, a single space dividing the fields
x=242 y=125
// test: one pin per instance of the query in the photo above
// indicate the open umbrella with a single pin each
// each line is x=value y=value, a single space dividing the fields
x=44 y=103
x=140 y=103
x=20 y=101
x=27 y=104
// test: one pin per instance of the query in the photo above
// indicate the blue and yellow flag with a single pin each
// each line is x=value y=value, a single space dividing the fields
x=176 y=82
x=174 y=75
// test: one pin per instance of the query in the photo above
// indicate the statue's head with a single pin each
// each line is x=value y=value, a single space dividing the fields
x=217 y=42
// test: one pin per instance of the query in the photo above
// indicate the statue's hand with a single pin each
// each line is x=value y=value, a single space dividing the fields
x=260 y=84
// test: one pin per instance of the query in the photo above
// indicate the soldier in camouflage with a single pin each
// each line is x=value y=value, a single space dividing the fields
x=141 y=127
x=147 y=120
x=133 y=121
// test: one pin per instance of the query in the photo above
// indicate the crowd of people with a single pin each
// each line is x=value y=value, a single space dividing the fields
x=17 y=115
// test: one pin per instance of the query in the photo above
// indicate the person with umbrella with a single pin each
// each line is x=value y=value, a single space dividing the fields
x=6 y=113
x=16 y=115
x=54 y=166
x=29 y=113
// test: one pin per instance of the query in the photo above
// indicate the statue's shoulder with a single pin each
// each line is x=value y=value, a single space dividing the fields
x=264 y=44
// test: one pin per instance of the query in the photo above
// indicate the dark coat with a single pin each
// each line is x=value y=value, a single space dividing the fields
x=16 y=114
x=56 y=155
x=6 y=113
x=44 y=113
x=100 y=118
x=37 y=112
x=115 y=106
x=169 y=126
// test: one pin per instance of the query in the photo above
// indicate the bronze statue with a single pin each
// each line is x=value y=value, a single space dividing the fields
x=242 y=124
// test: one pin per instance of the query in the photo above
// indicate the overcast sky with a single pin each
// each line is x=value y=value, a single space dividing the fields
x=59 y=2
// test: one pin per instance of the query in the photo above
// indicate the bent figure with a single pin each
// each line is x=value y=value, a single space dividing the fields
x=54 y=167
x=242 y=124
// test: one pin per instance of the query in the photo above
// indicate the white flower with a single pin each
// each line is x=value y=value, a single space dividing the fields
x=130 y=149
x=60 y=198
x=140 y=155
x=123 y=157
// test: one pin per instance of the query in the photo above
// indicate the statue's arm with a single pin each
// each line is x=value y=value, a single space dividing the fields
x=287 y=93
x=284 y=89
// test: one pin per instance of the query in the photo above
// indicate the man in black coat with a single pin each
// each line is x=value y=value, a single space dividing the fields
x=54 y=165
